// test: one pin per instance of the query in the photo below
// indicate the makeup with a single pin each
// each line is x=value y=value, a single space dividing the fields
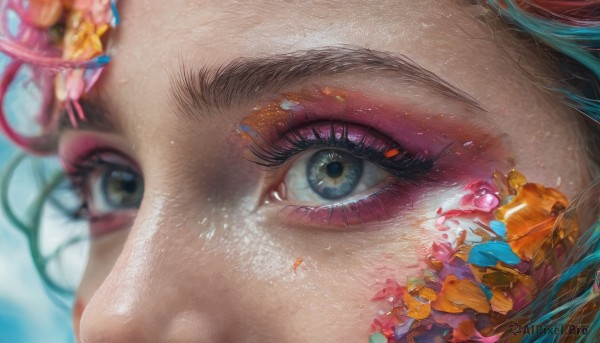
x=418 y=151
x=430 y=135
x=109 y=184
x=297 y=263
x=497 y=247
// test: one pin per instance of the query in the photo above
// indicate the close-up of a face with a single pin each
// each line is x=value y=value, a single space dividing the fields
x=268 y=171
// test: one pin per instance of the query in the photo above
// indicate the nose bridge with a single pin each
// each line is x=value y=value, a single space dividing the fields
x=144 y=298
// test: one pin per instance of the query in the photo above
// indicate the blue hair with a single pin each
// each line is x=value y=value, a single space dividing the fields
x=572 y=299
x=576 y=39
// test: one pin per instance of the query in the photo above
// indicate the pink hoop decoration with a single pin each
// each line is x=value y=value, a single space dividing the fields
x=74 y=74
x=40 y=145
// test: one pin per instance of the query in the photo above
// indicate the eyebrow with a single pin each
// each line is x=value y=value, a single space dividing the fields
x=207 y=90
x=197 y=91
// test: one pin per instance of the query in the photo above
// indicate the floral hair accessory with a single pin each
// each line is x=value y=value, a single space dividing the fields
x=500 y=245
x=57 y=52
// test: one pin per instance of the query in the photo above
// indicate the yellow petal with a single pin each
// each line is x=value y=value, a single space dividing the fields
x=500 y=302
x=414 y=308
x=461 y=294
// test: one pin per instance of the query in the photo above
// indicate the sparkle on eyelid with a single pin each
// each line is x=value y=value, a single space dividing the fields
x=288 y=104
x=391 y=153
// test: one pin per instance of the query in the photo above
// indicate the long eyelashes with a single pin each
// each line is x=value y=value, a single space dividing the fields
x=408 y=173
x=79 y=173
x=362 y=142
x=78 y=176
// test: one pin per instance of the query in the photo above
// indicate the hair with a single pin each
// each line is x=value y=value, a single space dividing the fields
x=568 y=31
x=571 y=29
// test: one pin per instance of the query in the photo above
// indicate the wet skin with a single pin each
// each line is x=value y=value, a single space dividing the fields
x=209 y=256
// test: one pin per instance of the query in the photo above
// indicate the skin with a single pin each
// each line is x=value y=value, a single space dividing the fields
x=203 y=260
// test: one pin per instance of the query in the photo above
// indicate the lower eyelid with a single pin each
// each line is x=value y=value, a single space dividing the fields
x=111 y=222
x=364 y=213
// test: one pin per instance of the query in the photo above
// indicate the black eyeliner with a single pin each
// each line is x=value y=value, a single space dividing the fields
x=403 y=165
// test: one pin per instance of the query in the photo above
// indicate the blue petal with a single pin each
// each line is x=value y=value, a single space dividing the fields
x=499 y=228
x=488 y=254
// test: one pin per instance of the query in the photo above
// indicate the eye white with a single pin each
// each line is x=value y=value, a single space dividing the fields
x=299 y=189
x=104 y=199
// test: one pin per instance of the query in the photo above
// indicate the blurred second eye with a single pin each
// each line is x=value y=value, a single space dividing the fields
x=114 y=189
x=330 y=176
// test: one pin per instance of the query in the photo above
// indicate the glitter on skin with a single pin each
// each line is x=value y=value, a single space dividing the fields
x=391 y=153
x=475 y=281
x=272 y=118
x=297 y=263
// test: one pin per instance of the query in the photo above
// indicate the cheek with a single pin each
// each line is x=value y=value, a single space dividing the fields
x=103 y=253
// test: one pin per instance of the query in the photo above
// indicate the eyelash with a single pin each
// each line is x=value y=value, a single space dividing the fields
x=291 y=142
x=82 y=168
x=404 y=168
x=407 y=170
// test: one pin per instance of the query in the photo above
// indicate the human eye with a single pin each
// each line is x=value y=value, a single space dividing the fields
x=109 y=187
x=341 y=173
x=339 y=159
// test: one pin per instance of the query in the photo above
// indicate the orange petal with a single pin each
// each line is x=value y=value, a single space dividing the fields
x=427 y=293
x=530 y=216
x=516 y=180
x=461 y=294
x=500 y=302
x=414 y=308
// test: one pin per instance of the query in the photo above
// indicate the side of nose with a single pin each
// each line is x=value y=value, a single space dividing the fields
x=155 y=292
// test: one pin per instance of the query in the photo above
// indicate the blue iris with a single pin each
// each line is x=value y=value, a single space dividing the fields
x=122 y=188
x=334 y=174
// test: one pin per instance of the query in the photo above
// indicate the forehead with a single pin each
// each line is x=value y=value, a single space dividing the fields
x=286 y=24
x=156 y=36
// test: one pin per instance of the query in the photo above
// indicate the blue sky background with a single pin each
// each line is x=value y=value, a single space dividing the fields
x=26 y=312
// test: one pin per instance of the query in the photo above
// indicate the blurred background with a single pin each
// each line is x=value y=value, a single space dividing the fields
x=27 y=312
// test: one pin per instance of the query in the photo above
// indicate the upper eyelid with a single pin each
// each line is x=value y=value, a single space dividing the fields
x=279 y=155
x=120 y=160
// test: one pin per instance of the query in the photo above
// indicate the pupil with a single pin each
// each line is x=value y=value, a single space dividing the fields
x=122 y=188
x=333 y=174
x=123 y=182
x=128 y=183
x=335 y=169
